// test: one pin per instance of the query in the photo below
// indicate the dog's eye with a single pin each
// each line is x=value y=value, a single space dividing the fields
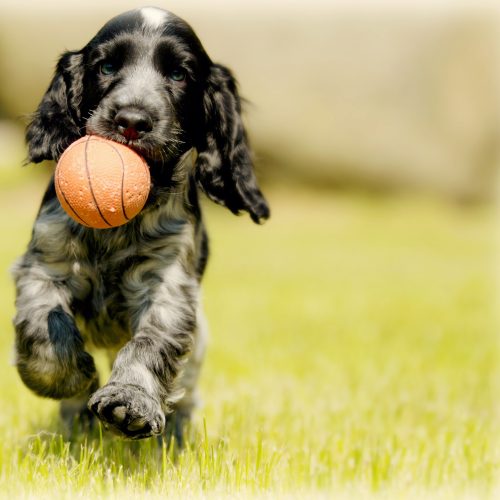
x=178 y=75
x=107 y=68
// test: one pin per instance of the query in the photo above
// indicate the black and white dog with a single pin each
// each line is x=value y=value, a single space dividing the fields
x=146 y=81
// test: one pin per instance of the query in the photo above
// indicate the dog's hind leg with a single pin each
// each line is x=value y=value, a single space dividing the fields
x=75 y=416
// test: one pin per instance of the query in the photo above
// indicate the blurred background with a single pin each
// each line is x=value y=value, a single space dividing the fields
x=378 y=95
x=357 y=330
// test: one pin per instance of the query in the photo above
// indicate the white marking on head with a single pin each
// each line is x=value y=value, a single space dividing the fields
x=153 y=16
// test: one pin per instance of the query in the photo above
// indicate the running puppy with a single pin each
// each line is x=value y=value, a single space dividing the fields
x=146 y=81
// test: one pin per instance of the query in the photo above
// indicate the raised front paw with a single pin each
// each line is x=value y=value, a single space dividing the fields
x=128 y=410
x=52 y=377
x=51 y=357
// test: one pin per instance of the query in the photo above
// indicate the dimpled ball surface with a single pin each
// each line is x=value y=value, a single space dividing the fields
x=101 y=183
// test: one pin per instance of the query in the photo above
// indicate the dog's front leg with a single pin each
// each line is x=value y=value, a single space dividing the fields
x=50 y=355
x=141 y=388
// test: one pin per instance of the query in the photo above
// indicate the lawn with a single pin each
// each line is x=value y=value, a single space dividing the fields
x=353 y=354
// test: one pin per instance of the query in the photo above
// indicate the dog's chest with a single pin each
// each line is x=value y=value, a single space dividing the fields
x=117 y=270
x=99 y=303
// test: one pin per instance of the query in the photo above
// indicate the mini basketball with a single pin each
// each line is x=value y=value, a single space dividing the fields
x=101 y=183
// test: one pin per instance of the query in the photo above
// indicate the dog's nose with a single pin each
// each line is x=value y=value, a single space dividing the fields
x=133 y=123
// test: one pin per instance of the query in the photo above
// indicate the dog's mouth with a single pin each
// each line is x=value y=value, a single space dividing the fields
x=137 y=144
x=151 y=146
x=141 y=146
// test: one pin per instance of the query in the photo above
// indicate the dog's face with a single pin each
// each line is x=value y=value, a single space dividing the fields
x=146 y=81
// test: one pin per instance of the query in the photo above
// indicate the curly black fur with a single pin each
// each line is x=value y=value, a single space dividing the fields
x=146 y=81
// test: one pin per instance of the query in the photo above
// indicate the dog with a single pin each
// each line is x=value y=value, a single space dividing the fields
x=144 y=80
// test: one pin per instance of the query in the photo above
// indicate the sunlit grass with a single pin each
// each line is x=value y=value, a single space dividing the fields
x=353 y=352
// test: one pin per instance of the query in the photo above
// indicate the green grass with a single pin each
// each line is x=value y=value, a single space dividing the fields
x=353 y=354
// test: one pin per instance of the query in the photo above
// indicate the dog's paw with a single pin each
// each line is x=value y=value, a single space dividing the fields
x=54 y=378
x=128 y=410
x=51 y=357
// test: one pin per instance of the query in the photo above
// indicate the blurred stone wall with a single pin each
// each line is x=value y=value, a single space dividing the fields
x=384 y=98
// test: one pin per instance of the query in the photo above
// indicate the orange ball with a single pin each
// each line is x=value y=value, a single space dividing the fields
x=101 y=183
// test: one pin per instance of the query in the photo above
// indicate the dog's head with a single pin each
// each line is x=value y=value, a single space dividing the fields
x=146 y=81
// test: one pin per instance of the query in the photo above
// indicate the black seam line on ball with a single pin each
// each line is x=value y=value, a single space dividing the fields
x=66 y=199
x=68 y=203
x=123 y=180
x=90 y=183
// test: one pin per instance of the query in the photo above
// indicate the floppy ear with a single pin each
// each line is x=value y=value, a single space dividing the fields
x=224 y=168
x=55 y=124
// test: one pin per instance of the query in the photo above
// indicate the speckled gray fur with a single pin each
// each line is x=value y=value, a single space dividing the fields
x=133 y=290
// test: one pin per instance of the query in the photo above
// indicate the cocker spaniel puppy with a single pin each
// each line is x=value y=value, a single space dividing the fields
x=144 y=80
